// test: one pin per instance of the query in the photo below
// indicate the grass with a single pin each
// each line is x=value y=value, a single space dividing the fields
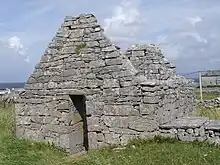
x=79 y=48
x=211 y=113
x=206 y=95
x=14 y=151
x=156 y=152
x=139 y=152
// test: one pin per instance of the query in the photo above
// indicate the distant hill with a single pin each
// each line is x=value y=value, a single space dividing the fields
x=11 y=85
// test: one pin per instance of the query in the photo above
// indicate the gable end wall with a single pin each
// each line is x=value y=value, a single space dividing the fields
x=124 y=98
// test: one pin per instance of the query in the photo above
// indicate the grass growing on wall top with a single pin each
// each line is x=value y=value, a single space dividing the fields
x=79 y=48
x=138 y=152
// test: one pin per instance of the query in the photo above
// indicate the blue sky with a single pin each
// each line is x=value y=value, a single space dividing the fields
x=187 y=30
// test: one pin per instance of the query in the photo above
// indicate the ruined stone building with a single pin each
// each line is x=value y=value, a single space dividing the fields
x=86 y=94
x=211 y=78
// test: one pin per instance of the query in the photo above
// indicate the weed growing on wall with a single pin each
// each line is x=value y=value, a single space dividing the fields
x=80 y=47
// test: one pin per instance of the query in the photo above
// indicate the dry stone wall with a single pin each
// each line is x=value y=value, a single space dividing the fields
x=150 y=62
x=85 y=93
x=192 y=129
x=212 y=90
x=213 y=103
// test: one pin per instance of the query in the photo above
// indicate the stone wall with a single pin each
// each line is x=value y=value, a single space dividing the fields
x=213 y=90
x=124 y=96
x=210 y=80
x=192 y=129
x=214 y=103
x=7 y=97
x=150 y=62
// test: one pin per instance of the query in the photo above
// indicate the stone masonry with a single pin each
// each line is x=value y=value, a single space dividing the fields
x=192 y=129
x=85 y=93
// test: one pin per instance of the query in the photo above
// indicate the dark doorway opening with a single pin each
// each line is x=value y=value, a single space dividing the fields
x=80 y=136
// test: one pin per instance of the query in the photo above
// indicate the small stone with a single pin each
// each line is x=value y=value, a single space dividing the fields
x=190 y=131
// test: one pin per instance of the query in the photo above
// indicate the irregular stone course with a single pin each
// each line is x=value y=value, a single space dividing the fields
x=125 y=96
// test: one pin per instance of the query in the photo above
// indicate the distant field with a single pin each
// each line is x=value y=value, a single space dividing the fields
x=205 y=95
x=211 y=113
x=139 y=152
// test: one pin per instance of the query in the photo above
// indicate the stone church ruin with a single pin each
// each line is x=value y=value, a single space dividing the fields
x=85 y=93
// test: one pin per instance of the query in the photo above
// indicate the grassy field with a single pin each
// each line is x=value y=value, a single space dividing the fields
x=211 y=113
x=139 y=152
x=205 y=95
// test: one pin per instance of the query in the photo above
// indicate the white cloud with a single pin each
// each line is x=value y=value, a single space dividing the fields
x=194 y=35
x=195 y=20
x=189 y=38
x=14 y=43
x=125 y=20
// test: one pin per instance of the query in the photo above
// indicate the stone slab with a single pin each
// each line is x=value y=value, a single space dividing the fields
x=213 y=125
x=186 y=122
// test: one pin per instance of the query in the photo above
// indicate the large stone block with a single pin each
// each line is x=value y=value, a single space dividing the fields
x=64 y=141
x=148 y=109
x=63 y=106
x=112 y=138
x=120 y=110
x=111 y=83
x=186 y=122
x=142 y=124
x=94 y=108
x=93 y=139
x=116 y=121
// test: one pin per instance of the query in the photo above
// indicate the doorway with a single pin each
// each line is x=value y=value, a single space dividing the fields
x=79 y=136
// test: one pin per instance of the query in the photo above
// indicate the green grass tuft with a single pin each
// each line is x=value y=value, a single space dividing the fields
x=7 y=123
x=79 y=48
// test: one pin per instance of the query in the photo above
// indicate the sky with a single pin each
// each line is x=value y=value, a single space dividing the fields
x=186 y=30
